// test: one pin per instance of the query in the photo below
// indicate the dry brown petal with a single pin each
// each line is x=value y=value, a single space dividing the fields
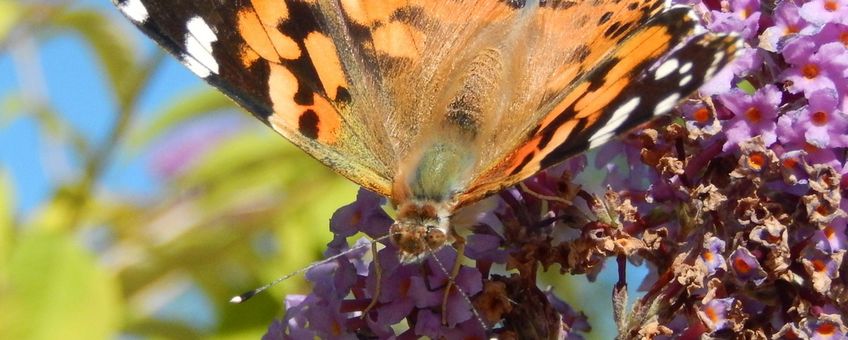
x=628 y=246
x=778 y=261
x=823 y=178
x=714 y=287
x=696 y=133
x=749 y=210
x=754 y=334
x=737 y=316
x=532 y=317
x=771 y=233
x=654 y=238
x=493 y=302
x=691 y=276
x=756 y=161
x=670 y=165
x=650 y=157
x=819 y=273
x=653 y=329
x=708 y=197
x=627 y=211
x=651 y=134
x=674 y=131
x=821 y=209
x=790 y=331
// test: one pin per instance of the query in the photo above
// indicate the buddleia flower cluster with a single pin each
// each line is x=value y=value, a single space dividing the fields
x=734 y=204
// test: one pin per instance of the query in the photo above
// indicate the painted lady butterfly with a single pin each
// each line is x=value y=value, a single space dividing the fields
x=437 y=104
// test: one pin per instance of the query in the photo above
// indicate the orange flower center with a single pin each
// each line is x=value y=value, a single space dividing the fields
x=712 y=314
x=819 y=118
x=822 y=209
x=831 y=6
x=843 y=37
x=829 y=232
x=810 y=71
x=773 y=238
x=741 y=266
x=792 y=29
x=756 y=160
x=336 y=328
x=790 y=163
x=819 y=265
x=708 y=255
x=702 y=115
x=810 y=148
x=826 y=329
x=753 y=114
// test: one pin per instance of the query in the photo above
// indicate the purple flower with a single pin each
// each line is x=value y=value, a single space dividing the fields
x=748 y=61
x=711 y=255
x=787 y=23
x=363 y=215
x=746 y=267
x=822 y=268
x=743 y=19
x=815 y=67
x=825 y=327
x=820 y=12
x=820 y=123
x=183 y=147
x=753 y=115
x=832 y=238
x=715 y=314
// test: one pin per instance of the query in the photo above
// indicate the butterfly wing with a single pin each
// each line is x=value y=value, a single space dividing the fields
x=610 y=95
x=292 y=64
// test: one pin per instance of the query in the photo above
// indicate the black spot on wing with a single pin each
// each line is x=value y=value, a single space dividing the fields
x=596 y=77
x=524 y=161
x=604 y=18
x=307 y=124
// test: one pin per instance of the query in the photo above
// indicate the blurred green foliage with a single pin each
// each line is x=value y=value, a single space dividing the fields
x=93 y=263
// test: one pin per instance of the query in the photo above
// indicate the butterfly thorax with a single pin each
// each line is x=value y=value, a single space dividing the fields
x=437 y=169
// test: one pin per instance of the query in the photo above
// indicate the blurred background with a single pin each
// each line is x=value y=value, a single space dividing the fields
x=135 y=200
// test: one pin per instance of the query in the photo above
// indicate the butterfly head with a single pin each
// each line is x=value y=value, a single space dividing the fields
x=421 y=229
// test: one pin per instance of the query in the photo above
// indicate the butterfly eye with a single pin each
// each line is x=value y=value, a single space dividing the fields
x=435 y=238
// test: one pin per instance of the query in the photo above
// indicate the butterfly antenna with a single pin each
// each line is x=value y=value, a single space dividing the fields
x=458 y=288
x=249 y=294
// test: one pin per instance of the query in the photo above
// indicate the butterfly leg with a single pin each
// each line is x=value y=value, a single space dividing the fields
x=378 y=272
x=459 y=245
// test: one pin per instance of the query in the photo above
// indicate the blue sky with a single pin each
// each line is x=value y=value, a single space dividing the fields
x=76 y=87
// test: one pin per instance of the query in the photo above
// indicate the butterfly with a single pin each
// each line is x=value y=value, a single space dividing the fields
x=438 y=104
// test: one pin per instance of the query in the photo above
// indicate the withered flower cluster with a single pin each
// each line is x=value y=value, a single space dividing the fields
x=734 y=204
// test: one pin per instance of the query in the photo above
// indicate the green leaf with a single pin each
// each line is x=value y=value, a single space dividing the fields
x=746 y=86
x=56 y=290
x=10 y=14
x=7 y=208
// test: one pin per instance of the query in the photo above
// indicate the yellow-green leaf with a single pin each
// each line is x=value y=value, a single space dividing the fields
x=56 y=290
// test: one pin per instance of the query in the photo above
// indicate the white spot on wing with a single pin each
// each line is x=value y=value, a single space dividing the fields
x=685 y=68
x=195 y=66
x=618 y=116
x=598 y=140
x=666 y=68
x=134 y=10
x=685 y=80
x=198 y=44
x=666 y=104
